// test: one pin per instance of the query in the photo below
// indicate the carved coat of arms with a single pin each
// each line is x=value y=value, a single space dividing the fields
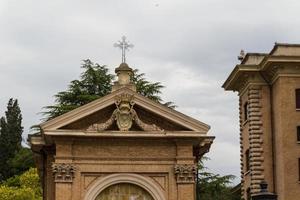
x=124 y=115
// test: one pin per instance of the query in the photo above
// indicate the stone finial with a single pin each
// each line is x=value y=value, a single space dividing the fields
x=124 y=74
x=242 y=55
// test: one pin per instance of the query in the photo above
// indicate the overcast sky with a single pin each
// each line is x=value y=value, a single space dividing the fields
x=190 y=46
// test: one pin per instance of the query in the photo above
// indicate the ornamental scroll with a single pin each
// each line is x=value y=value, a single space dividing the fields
x=185 y=173
x=63 y=172
x=124 y=115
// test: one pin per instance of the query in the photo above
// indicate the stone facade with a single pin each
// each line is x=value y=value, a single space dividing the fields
x=123 y=145
x=266 y=84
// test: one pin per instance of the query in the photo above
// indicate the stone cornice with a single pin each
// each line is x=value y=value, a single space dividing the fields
x=242 y=77
x=285 y=56
x=235 y=76
x=276 y=70
x=127 y=134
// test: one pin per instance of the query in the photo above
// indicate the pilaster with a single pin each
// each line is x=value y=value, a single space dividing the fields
x=185 y=170
x=63 y=174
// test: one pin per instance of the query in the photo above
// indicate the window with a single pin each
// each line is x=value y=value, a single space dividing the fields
x=246 y=111
x=247 y=160
x=297 y=93
x=298 y=133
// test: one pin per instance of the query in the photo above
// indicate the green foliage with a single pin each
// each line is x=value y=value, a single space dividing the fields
x=23 y=187
x=148 y=89
x=213 y=186
x=10 y=137
x=22 y=161
x=11 y=193
x=96 y=82
x=145 y=88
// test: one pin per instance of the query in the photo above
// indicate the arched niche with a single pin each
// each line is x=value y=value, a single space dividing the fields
x=126 y=191
x=143 y=182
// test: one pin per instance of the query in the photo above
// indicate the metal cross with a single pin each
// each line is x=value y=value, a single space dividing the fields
x=123 y=45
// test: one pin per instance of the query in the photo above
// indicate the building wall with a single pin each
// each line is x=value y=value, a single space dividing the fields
x=94 y=159
x=286 y=119
x=279 y=146
x=256 y=138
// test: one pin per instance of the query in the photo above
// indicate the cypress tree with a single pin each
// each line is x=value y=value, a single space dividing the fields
x=10 y=136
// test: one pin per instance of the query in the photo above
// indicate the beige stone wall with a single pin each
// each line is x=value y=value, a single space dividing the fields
x=282 y=140
x=256 y=137
x=267 y=144
x=287 y=150
x=94 y=159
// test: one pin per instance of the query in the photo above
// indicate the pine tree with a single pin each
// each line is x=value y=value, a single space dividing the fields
x=210 y=186
x=96 y=82
x=10 y=136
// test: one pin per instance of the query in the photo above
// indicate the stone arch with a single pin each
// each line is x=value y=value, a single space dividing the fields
x=144 y=182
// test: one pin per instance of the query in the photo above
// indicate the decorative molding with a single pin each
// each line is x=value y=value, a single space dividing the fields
x=185 y=173
x=271 y=74
x=255 y=138
x=146 y=183
x=63 y=172
x=160 y=180
x=124 y=115
x=243 y=83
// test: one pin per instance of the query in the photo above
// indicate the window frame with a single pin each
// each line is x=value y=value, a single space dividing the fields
x=246 y=111
x=298 y=134
x=247 y=160
x=297 y=98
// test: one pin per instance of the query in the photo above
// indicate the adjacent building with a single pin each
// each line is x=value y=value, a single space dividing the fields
x=268 y=85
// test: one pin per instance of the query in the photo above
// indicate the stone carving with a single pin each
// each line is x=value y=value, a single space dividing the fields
x=185 y=173
x=63 y=172
x=124 y=115
x=142 y=125
x=102 y=126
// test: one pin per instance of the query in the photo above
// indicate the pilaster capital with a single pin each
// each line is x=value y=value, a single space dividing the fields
x=63 y=172
x=185 y=173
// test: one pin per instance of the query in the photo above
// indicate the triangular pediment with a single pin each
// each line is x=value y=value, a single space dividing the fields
x=106 y=114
